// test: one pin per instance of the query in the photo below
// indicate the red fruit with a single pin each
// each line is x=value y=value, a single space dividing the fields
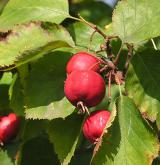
x=83 y=61
x=85 y=86
x=94 y=125
x=9 y=126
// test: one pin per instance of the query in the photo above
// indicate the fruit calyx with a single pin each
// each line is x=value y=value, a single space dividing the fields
x=116 y=77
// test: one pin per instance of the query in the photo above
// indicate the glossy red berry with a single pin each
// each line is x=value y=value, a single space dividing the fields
x=85 y=86
x=83 y=61
x=95 y=124
x=9 y=126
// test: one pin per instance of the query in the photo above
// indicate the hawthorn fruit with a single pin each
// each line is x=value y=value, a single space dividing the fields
x=9 y=127
x=83 y=61
x=94 y=125
x=87 y=87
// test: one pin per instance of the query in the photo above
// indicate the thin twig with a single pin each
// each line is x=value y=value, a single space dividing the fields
x=118 y=56
x=75 y=18
x=91 y=67
x=109 y=84
x=93 y=27
x=108 y=49
x=103 y=69
x=130 y=53
x=90 y=40
x=81 y=19
x=105 y=62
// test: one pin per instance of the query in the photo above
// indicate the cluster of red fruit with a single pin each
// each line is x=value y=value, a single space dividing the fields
x=9 y=126
x=85 y=87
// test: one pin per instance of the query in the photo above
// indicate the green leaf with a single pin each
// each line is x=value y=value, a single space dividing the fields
x=4 y=158
x=142 y=82
x=156 y=161
x=64 y=134
x=32 y=129
x=6 y=78
x=135 y=21
x=44 y=88
x=22 y=11
x=16 y=90
x=16 y=95
x=12 y=150
x=81 y=157
x=81 y=34
x=132 y=141
x=5 y=81
x=37 y=151
x=29 y=46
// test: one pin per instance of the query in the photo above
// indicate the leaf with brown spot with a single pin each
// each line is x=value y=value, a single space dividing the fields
x=142 y=82
x=21 y=46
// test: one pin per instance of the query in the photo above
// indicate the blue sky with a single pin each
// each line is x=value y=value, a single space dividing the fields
x=110 y=2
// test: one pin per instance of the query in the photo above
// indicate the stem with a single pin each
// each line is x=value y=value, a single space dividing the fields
x=103 y=69
x=108 y=64
x=81 y=19
x=93 y=27
x=130 y=53
x=90 y=40
x=107 y=41
x=118 y=56
x=109 y=85
x=100 y=60
x=109 y=49
x=75 y=18
x=90 y=68
x=82 y=108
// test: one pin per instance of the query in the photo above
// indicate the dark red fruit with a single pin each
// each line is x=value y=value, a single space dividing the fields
x=85 y=86
x=95 y=124
x=9 y=126
x=83 y=61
